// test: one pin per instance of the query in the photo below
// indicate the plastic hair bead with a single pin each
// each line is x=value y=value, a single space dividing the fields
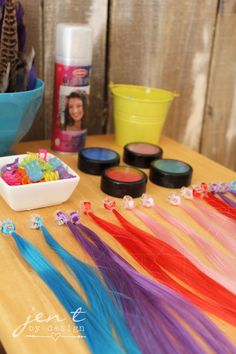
x=36 y=222
x=128 y=202
x=86 y=207
x=74 y=216
x=186 y=192
x=174 y=199
x=109 y=204
x=147 y=201
x=7 y=227
x=61 y=218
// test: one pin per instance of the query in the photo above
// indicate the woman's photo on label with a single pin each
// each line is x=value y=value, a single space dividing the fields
x=74 y=111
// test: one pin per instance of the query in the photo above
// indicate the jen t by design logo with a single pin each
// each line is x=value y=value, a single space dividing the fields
x=37 y=325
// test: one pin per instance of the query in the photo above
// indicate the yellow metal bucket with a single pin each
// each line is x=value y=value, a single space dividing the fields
x=139 y=112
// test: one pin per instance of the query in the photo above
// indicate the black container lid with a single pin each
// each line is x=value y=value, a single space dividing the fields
x=170 y=173
x=141 y=154
x=119 y=181
x=96 y=159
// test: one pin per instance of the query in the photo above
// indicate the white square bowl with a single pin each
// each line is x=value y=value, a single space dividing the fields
x=37 y=195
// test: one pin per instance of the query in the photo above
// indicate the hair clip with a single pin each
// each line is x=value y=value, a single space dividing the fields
x=32 y=155
x=204 y=186
x=44 y=153
x=147 y=201
x=174 y=199
x=51 y=176
x=35 y=222
x=24 y=177
x=28 y=158
x=55 y=162
x=75 y=218
x=214 y=188
x=33 y=171
x=63 y=173
x=109 y=204
x=61 y=218
x=128 y=202
x=7 y=227
x=45 y=166
x=10 y=166
x=85 y=207
x=199 y=190
x=186 y=193
x=12 y=177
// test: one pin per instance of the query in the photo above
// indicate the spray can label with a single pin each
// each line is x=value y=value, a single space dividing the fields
x=72 y=85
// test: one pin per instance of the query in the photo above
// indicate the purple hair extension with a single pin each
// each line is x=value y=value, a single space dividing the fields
x=163 y=311
x=233 y=192
x=140 y=319
x=227 y=199
x=221 y=189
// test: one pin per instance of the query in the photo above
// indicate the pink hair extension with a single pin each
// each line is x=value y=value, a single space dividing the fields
x=209 y=219
x=212 y=228
x=227 y=224
x=163 y=261
x=205 y=245
x=218 y=260
x=217 y=257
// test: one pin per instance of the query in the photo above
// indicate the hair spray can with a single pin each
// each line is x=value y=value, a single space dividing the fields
x=72 y=86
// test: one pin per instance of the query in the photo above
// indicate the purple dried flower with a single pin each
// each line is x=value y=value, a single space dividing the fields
x=32 y=78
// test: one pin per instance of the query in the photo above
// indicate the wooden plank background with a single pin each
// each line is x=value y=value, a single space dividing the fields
x=219 y=128
x=183 y=46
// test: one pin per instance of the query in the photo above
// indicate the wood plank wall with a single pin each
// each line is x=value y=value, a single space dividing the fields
x=185 y=46
x=219 y=128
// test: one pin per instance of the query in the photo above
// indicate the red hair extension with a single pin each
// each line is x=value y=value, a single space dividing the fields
x=160 y=260
x=221 y=206
x=226 y=199
x=171 y=254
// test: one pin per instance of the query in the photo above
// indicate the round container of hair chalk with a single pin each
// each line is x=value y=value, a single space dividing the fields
x=96 y=159
x=119 y=181
x=141 y=154
x=170 y=173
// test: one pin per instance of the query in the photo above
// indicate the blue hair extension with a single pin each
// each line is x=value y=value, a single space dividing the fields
x=97 y=337
x=98 y=296
x=154 y=328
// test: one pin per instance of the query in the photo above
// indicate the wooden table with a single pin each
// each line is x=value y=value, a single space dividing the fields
x=23 y=293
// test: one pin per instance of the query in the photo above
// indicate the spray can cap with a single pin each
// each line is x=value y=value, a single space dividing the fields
x=74 y=42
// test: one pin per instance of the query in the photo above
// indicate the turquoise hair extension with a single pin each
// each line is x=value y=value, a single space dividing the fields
x=97 y=337
x=97 y=294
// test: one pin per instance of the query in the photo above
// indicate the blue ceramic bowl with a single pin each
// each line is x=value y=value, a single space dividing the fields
x=17 y=113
